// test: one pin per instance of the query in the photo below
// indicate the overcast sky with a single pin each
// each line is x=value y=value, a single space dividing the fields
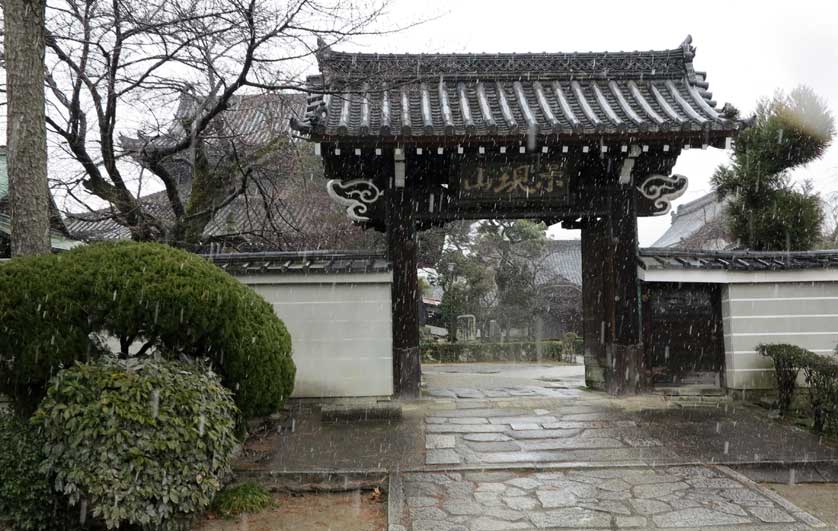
x=748 y=49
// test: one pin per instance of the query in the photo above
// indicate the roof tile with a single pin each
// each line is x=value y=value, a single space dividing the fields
x=511 y=94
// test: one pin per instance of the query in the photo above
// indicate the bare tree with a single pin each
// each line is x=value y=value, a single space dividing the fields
x=830 y=224
x=113 y=64
x=26 y=133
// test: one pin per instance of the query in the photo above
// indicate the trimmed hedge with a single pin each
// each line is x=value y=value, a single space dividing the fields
x=821 y=375
x=508 y=351
x=138 y=444
x=174 y=302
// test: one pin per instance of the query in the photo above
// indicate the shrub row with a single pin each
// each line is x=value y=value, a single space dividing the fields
x=52 y=309
x=508 y=351
x=821 y=374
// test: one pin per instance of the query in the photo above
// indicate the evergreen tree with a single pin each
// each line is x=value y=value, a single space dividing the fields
x=767 y=211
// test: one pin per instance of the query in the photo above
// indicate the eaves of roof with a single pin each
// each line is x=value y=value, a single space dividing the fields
x=456 y=97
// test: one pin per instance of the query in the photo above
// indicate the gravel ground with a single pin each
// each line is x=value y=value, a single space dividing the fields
x=351 y=511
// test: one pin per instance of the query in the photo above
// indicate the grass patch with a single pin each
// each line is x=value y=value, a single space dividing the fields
x=242 y=498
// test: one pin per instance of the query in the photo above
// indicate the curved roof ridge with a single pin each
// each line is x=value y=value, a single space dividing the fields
x=696 y=204
x=673 y=63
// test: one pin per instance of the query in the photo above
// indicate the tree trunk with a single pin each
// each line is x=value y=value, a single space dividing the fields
x=26 y=130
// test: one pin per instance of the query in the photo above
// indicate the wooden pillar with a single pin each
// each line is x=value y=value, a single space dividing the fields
x=595 y=326
x=401 y=243
x=624 y=351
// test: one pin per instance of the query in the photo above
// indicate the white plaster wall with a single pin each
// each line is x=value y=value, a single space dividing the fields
x=799 y=313
x=340 y=326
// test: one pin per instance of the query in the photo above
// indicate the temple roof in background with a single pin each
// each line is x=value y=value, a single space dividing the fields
x=298 y=213
x=699 y=224
x=561 y=263
x=252 y=119
x=58 y=231
x=413 y=97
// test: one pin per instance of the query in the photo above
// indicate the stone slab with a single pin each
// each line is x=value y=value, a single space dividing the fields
x=464 y=428
x=442 y=457
x=698 y=517
x=435 y=441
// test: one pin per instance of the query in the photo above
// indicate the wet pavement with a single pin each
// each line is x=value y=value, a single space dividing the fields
x=530 y=426
x=607 y=498
x=562 y=450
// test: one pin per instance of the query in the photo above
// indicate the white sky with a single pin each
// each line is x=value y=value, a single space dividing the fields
x=748 y=49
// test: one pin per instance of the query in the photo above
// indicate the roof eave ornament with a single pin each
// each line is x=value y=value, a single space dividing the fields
x=689 y=49
x=323 y=50
x=324 y=53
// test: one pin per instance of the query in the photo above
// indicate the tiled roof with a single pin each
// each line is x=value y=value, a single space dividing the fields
x=301 y=214
x=58 y=240
x=58 y=230
x=319 y=262
x=562 y=262
x=411 y=96
x=652 y=258
x=252 y=119
x=301 y=217
x=699 y=224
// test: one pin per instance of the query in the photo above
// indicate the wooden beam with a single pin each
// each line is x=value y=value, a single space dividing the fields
x=595 y=329
x=626 y=357
x=401 y=244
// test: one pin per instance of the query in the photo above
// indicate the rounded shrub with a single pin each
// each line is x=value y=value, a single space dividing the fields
x=138 y=444
x=27 y=502
x=42 y=327
x=142 y=298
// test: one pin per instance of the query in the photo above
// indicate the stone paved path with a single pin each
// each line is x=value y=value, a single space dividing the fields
x=570 y=433
x=525 y=447
x=606 y=498
x=549 y=390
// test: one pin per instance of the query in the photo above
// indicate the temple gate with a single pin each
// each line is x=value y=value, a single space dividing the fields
x=587 y=140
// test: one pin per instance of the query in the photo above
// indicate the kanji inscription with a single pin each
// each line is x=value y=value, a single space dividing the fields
x=512 y=181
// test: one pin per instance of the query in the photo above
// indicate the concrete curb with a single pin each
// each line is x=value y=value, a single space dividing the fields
x=316 y=481
x=535 y=467
x=796 y=511
x=395 y=503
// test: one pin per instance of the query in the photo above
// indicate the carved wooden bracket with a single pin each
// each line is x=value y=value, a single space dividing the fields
x=356 y=195
x=660 y=191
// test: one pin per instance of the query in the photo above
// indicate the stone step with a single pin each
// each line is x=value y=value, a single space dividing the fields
x=351 y=410
x=698 y=401
x=690 y=390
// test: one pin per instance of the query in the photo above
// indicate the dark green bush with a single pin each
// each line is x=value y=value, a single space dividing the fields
x=788 y=361
x=241 y=498
x=27 y=502
x=508 y=351
x=169 y=301
x=822 y=377
x=140 y=444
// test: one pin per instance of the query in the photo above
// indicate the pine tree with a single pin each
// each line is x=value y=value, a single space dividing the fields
x=767 y=211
